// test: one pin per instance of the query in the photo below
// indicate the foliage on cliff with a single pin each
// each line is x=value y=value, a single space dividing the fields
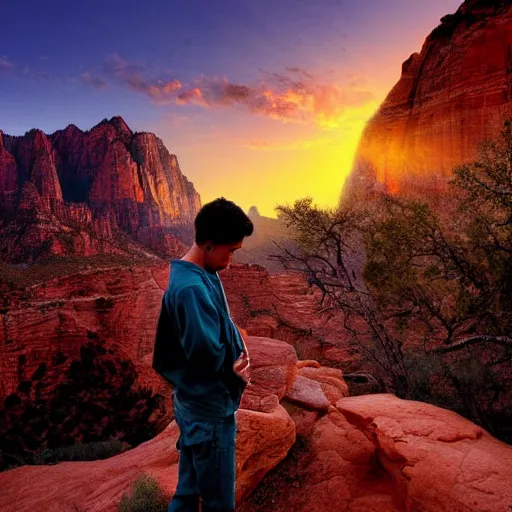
x=433 y=310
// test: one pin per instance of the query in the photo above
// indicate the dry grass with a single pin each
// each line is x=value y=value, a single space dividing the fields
x=146 y=496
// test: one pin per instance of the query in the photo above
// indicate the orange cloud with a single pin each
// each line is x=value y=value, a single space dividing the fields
x=281 y=98
x=300 y=98
x=160 y=91
x=192 y=96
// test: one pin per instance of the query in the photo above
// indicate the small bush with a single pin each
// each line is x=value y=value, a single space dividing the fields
x=147 y=496
x=81 y=451
x=95 y=400
x=40 y=372
x=429 y=381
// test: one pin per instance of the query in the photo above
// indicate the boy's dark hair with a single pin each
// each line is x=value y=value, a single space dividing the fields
x=222 y=222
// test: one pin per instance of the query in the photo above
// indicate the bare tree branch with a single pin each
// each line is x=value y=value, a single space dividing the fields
x=504 y=341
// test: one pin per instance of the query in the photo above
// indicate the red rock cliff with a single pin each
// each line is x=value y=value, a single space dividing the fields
x=452 y=95
x=107 y=190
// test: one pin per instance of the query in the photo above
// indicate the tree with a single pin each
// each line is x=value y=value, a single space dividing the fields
x=418 y=287
x=327 y=242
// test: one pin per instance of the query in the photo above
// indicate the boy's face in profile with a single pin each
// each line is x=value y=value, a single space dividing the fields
x=221 y=255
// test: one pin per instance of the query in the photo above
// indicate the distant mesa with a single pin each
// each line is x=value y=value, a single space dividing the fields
x=253 y=212
x=268 y=234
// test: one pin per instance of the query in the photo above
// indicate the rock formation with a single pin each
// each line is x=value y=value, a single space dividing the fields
x=436 y=459
x=104 y=191
x=47 y=309
x=452 y=95
x=119 y=304
x=259 y=247
x=371 y=453
x=115 y=305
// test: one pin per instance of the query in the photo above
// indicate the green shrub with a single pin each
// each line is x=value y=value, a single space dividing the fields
x=95 y=400
x=80 y=451
x=147 y=496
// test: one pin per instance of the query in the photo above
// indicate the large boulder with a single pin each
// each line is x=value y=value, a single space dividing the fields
x=438 y=460
x=378 y=453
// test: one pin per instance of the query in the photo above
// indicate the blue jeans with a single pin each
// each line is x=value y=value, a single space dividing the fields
x=207 y=465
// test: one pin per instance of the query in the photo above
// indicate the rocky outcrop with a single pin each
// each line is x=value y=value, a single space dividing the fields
x=264 y=439
x=104 y=191
x=258 y=248
x=332 y=466
x=119 y=305
x=252 y=300
x=303 y=447
x=114 y=305
x=452 y=95
x=378 y=453
x=283 y=306
x=266 y=434
x=437 y=459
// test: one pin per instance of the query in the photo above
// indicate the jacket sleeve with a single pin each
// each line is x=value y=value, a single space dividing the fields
x=199 y=328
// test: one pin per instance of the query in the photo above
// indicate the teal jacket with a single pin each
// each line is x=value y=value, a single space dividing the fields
x=196 y=344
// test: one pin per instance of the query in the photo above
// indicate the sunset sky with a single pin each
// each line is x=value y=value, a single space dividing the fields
x=263 y=101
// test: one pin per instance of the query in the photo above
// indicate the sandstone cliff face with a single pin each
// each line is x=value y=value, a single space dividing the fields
x=107 y=190
x=115 y=304
x=36 y=160
x=451 y=96
x=119 y=305
x=8 y=179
